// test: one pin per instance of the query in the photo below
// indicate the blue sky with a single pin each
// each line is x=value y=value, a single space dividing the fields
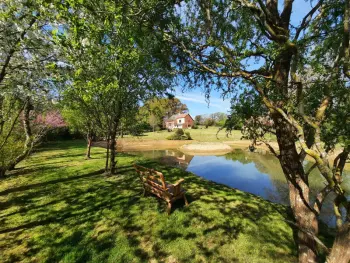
x=195 y=99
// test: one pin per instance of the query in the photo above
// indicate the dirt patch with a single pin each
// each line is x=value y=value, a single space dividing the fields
x=145 y=145
x=205 y=148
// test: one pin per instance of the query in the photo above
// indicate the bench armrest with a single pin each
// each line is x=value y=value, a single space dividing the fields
x=177 y=187
x=178 y=182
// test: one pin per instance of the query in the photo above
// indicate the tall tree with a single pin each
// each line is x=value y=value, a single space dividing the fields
x=198 y=119
x=116 y=62
x=299 y=73
x=27 y=61
x=153 y=121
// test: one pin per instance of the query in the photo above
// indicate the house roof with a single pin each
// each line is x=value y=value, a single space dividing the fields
x=177 y=116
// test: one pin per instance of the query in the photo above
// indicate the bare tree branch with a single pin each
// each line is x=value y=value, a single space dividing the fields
x=307 y=19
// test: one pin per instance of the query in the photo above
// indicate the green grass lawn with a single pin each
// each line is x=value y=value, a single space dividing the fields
x=201 y=134
x=58 y=207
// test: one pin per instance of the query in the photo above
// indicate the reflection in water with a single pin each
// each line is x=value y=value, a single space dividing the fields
x=251 y=172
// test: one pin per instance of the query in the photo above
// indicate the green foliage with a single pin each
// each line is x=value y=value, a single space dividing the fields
x=115 y=62
x=63 y=133
x=11 y=136
x=188 y=135
x=225 y=37
x=209 y=122
x=198 y=119
x=79 y=121
x=153 y=121
x=179 y=134
x=25 y=74
x=221 y=123
x=217 y=118
x=244 y=107
x=157 y=109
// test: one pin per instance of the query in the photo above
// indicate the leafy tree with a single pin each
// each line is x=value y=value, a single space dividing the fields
x=27 y=61
x=208 y=122
x=219 y=118
x=198 y=119
x=153 y=121
x=162 y=108
x=79 y=121
x=175 y=106
x=297 y=74
x=115 y=61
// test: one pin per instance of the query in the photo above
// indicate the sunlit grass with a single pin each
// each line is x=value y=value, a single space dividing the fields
x=58 y=207
x=201 y=134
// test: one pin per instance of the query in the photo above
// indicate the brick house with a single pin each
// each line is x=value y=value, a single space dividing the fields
x=183 y=121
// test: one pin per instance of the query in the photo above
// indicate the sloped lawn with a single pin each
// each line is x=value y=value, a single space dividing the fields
x=58 y=207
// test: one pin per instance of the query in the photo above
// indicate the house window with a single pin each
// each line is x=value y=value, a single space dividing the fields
x=179 y=121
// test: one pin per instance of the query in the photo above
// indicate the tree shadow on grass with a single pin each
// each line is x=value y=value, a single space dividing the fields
x=60 y=180
x=92 y=217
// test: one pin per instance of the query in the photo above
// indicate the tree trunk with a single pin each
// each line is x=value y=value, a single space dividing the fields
x=340 y=252
x=89 y=143
x=107 y=153
x=306 y=221
x=2 y=172
x=298 y=191
x=28 y=144
x=112 y=162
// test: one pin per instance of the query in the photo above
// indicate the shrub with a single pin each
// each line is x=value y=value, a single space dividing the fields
x=62 y=133
x=188 y=135
x=180 y=135
x=179 y=132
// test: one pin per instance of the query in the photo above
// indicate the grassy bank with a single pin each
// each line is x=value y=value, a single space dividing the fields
x=58 y=207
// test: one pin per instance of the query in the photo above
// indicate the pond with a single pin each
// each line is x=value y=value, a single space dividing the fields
x=256 y=173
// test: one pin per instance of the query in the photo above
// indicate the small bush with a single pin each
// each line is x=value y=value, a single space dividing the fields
x=62 y=133
x=188 y=135
x=180 y=135
x=179 y=132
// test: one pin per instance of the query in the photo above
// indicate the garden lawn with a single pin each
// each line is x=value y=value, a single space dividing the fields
x=58 y=207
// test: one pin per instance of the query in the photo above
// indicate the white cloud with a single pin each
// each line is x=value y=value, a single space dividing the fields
x=202 y=101
x=223 y=105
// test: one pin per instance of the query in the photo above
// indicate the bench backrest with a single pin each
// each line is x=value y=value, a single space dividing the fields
x=151 y=177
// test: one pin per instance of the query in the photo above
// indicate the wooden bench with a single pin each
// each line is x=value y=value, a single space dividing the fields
x=153 y=182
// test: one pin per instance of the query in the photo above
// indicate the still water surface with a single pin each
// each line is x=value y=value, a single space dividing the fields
x=256 y=173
